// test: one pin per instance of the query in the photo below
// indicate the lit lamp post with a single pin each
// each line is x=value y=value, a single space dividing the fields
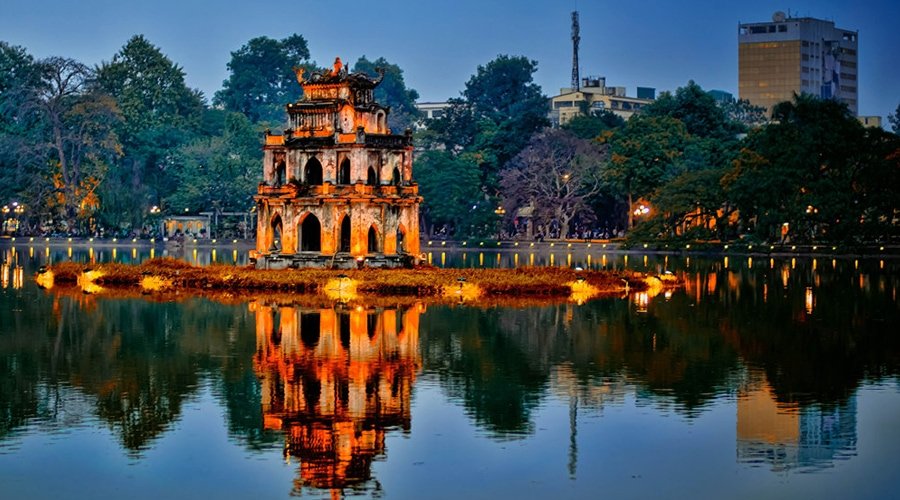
x=6 y=219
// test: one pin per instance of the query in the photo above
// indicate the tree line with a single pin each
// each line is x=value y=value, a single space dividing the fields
x=685 y=167
x=113 y=147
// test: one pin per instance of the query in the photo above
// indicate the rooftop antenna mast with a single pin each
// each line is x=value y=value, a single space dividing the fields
x=575 y=39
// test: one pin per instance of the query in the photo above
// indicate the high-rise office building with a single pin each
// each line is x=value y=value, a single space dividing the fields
x=799 y=55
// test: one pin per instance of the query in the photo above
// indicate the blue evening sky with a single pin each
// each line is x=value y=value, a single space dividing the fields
x=439 y=44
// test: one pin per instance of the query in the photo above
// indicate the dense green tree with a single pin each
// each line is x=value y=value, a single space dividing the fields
x=160 y=113
x=591 y=125
x=802 y=171
x=261 y=80
x=644 y=155
x=501 y=108
x=81 y=145
x=453 y=196
x=556 y=174
x=392 y=92
x=19 y=77
x=219 y=172
x=696 y=109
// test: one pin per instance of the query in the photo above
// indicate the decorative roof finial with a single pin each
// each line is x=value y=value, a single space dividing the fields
x=299 y=72
x=338 y=65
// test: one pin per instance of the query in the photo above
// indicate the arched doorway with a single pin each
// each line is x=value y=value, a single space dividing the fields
x=312 y=172
x=311 y=234
x=395 y=177
x=344 y=172
x=372 y=177
x=373 y=240
x=276 y=226
x=344 y=245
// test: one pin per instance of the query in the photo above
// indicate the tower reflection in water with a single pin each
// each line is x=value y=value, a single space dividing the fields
x=785 y=436
x=335 y=380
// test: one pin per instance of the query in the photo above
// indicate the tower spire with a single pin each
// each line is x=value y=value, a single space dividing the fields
x=576 y=37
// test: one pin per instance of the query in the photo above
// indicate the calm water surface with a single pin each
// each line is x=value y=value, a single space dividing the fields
x=760 y=378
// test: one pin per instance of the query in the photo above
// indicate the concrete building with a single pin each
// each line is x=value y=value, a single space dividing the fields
x=799 y=55
x=337 y=186
x=870 y=121
x=595 y=95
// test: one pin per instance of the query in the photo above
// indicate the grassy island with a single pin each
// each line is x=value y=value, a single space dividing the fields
x=165 y=276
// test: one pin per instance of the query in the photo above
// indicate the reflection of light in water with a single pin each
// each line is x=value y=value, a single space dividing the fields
x=668 y=294
x=771 y=263
x=569 y=260
x=516 y=260
x=603 y=260
x=47 y=253
x=114 y=252
x=531 y=259
x=793 y=263
x=196 y=261
x=785 y=274
x=464 y=257
x=69 y=252
x=443 y=259
x=234 y=256
x=498 y=259
x=645 y=262
x=626 y=261
x=4 y=275
x=480 y=259
x=153 y=253
x=711 y=283
x=30 y=252
x=642 y=300
x=588 y=261
x=212 y=255
x=687 y=263
x=855 y=264
x=810 y=300
x=881 y=264
x=666 y=262
x=765 y=292
x=429 y=258
x=91 y=255
x=552 y=259
x=833 y=263
x=726 y=262
x=134 y=253
x=750 y=262
x=814 y=264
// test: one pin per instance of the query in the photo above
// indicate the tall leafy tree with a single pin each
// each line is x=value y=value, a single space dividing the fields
x=591 y=125
x=160 y=113
x=644 y=155
x=80 y=122
x=501 y=108
x=556 y=173
x=697 y=110
x=219 y=172
x=20 y=76
x=261 y=80
x=392 y=92
x=801 y=170
x=452 y=193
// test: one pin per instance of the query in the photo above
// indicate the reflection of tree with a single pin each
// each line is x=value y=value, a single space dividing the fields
x=335 y=381
x=485 y=366
x=135 y=360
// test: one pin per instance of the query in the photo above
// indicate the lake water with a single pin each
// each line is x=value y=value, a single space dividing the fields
x=761 y=378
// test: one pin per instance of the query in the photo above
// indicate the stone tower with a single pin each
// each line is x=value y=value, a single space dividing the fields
x=337 y=186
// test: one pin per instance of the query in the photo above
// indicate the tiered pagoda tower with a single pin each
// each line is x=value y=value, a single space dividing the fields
x=337 y=186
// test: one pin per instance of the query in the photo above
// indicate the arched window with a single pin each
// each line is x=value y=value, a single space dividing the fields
x=280 y=173
x=395 y=177
x=345 y=235
x=276 y=234
x=372 y=177
x=344 y=172
x=311 y=234
x=312 y=173
x=373 y=240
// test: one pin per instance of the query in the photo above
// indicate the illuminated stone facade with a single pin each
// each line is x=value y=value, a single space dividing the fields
x=337 y=186
x=335 y=381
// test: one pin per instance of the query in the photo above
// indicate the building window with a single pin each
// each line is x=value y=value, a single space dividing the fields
x=344 y=172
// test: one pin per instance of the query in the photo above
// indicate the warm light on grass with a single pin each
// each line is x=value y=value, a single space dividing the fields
x=155 y=283
x=45 y=279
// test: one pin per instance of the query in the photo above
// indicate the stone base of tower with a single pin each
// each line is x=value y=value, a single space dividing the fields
x=315 y=260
